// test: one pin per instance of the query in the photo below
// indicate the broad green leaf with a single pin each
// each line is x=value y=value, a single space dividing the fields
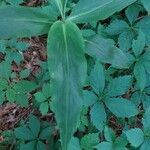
x=104 y=146
x=74 y=144
x=146 y=5
x=97 y=9
x=117 y=27
x=105 y=51
x=97 y=78
x=24 y=133
x=19 y=21
x=34 y=125
x=132 y=12
x=139 y=44
x=121 y=107
x=89 y=141
x=28 y=146
x=119 y=86
x=140 y=75
x=135 y=136
x=67 y=67
x=98 y=116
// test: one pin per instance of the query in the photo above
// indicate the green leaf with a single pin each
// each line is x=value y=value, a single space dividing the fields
x=28 y=146
x=2 y=97
x=89 y=141
x=97 y=78
x=34 y=125
x=105 y=51
x=89 y=98
x=125 y=40
x=60 y=4
x=139 y=44
x=146 y=5
x=121 y=107
x=97 y=9
x=22 y=100
x=3 y=84
x=143 y=25
x=146 y=120
x=135 y=136
x=25 y=73
x=146 y=65
x=41 y=146
x=145 y=145
x=2 y=46
x=44 y=108
x=132 y=12
x=67 y=67
x=39 y=96
x=15 y=2
x=140 y=75
x=119 y=86
x=74 y=144
x=5 y=70
x=24 y=133
x=19 y=21
x=109 y=134
x=98 y=116
x=104 y=146
x=117 y=27
x=24 y=86
x=46 y=133
x=11 y=95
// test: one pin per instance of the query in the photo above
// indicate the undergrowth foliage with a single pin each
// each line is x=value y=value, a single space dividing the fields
x=95 y=82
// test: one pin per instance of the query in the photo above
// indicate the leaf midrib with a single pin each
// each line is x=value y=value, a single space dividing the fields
x=68 y=79
x=92 y=10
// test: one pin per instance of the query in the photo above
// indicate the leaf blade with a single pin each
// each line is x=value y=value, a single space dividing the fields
x=97 y=10
x=19 y=21
x=67 y=67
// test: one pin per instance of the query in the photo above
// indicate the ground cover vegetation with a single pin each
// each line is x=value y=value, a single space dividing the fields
x=74 y=75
